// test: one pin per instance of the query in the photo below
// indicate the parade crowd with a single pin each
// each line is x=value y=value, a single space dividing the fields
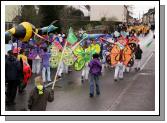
x=35 y=59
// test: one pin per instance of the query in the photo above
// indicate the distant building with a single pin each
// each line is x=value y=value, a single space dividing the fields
x=130 y=19
x=12 y=15
x=149 y=17
x=11 y=12
x=117 y=13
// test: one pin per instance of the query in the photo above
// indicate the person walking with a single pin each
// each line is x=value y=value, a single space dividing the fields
x=12 y=77
x=39 y=96
x=85 y=73
x=46 y=65
x=95 y=71
x=36 y=61
x=22 y=56
x=118 y=71
x=25 y=70
x=138 y=57
x=119 y=67
x=85 y=70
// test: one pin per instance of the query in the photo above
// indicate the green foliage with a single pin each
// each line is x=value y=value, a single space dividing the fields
x=88 y=27
x=29 y=14
x=49 y=14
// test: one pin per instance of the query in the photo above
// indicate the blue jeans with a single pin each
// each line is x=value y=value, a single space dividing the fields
x=44 y=74
x=94 y=79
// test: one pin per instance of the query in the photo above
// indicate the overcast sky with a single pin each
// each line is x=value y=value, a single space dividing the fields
x=136 y=9
x=141 y=9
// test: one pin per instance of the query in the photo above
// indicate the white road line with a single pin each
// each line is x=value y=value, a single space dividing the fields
x=112 y=107
x=149 y=57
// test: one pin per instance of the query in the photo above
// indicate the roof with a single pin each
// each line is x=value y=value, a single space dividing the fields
x=150 y=11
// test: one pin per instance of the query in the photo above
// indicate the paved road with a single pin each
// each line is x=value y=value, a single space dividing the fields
x=136 y=92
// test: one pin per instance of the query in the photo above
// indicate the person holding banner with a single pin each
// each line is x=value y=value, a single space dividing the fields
x=39 y=96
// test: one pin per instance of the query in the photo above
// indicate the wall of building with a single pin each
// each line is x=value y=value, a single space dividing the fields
x=108 y=11
x=11 y=11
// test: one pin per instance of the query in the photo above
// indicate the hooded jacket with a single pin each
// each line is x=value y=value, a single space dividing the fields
x=12 y=69
x=39 y=97
x=95 y=67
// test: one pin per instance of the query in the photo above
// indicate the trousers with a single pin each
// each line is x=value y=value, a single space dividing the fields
x=118 y=71
x=94 y=79
x=36 y=66
x=11 y=91
x=85 y=72
x=137 y=63
x=44 y=71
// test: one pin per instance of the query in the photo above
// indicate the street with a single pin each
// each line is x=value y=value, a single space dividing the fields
x=136 y=92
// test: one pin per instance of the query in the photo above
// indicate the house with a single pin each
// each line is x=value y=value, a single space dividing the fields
x=116 y=13
x=149 y=17
x=12 y=12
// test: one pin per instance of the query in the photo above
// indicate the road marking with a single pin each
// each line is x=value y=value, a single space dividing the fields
x=147 y=60
x=145 y=73
x=119 y=98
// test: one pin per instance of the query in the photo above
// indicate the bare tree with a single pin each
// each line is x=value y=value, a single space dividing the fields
x=129 y=9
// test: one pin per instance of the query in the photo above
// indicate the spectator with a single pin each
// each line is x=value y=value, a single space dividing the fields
x=12 y=77
x=39 y=96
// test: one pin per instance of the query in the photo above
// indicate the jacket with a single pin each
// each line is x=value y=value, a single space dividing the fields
x=24 y=58
x=45 y=59
x=138 y=53
x=37 y=101
x=95 y=67
x=12 y=69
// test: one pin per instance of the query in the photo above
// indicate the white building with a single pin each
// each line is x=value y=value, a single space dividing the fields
x=11 y=11
x=113 y=12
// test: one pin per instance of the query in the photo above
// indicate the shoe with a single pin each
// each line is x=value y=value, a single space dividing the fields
x=50 y=81
x=98 y=93
x=82 y=80
x=58 y=77
x=115 y=80
x=135 y=69
x=21 y=91
x=91 y=95
x=10 y=103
